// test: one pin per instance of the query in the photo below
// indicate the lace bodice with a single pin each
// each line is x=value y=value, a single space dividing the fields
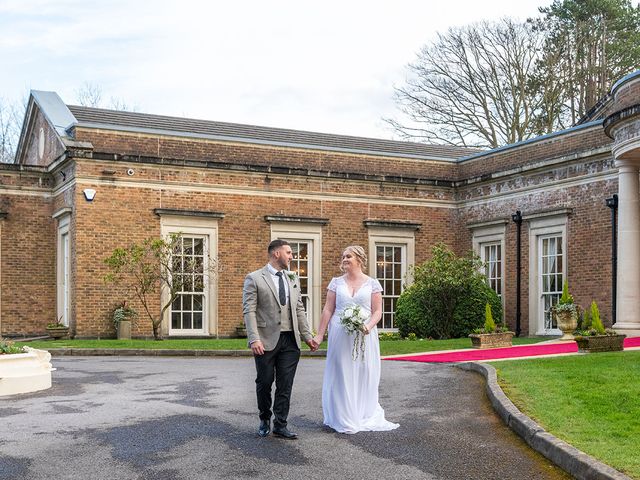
x=361 y=297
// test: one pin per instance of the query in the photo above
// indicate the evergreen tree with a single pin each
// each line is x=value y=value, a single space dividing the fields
x=589 y=45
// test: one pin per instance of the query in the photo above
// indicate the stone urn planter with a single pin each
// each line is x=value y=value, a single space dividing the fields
x=123 y=330
x=567 y=321
x=600 y=343
x=241 y=331
x=25 y=372
x=491 y=340
x=61 y=331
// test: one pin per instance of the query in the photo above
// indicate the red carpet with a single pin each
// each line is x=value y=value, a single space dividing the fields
x=472 y=355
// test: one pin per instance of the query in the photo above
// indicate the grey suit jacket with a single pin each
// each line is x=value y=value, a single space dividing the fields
x=261 y=309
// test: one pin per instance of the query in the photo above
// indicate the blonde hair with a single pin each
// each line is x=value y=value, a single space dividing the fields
x=357 y=252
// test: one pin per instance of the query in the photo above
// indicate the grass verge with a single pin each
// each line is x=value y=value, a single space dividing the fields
x=590 y=401
x=387 y=347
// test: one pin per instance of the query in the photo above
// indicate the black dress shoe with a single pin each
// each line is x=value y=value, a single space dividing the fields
x=265 y=428
x=284 y=433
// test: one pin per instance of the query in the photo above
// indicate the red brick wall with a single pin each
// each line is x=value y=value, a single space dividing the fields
x=490 y=187
x=588 y=236
x=28 y=254
x=122 y=214
x=247 y=154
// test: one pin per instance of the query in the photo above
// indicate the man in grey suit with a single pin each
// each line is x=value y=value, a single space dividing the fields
x=275 y=320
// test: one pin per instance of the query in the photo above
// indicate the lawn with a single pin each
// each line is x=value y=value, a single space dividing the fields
x=387 y=347
x=590 y=401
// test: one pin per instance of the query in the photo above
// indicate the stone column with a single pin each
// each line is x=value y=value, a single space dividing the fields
x=628 y=301
x=623 y=126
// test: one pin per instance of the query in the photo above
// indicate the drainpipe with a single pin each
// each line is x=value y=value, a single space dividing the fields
x=517 y=219
x=612 y=203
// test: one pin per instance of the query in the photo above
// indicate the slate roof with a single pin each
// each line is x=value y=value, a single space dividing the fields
x=144 y=122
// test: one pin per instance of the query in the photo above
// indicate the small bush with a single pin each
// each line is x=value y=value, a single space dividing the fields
x=566 y=297
x=585 y=320
x=489 y=324
x=596 y=322
x=447 y=299
x=411 y=315
x=8 y=347
x=389 y=336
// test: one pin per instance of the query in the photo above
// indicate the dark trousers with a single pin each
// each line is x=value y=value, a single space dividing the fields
x=281 y=363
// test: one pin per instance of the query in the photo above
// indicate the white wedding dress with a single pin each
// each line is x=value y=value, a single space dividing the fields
x=350 y=387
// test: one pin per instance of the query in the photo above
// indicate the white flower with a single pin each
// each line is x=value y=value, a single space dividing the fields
x=352 y=319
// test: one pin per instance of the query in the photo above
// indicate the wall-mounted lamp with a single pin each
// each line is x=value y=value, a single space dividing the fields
x=89 y=194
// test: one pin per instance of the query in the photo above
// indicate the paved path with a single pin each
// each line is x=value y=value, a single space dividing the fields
x=194 y=418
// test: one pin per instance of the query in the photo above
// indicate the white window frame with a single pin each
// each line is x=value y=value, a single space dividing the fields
x=310 y=233
x=202 y=227
x=488 y=234
x=543 y=225
x=402 y=237
x=63 y=266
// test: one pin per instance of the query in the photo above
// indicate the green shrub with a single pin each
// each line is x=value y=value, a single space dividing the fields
x=8 y=347
x=411 y=316
x=387 y=336
x=596 y=322
x=448 y=297
x=585 y=320
x=489 y=324
x=566 y=297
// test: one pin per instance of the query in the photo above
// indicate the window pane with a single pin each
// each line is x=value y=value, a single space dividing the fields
x=389 y=269
x=175 y=320
x=197 y=321
x=188 y=265
x=197 y=303
x=551 y=279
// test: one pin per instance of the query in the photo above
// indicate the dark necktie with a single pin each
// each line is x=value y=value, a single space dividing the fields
x=281 y=291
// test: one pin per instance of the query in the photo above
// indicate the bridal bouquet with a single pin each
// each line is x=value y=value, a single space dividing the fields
x=352 y=319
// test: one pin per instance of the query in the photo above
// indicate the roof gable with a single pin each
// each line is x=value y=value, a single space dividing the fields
x=44 y=130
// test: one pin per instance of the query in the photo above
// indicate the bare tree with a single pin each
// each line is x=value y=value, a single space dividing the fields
x=12 y=116
x=473 y=87
x=157 y=264
x=91 y=95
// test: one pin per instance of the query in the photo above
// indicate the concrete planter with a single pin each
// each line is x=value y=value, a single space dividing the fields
x=25 y=372
x=124 y=330
x=241 y=331
x=600 y=343
x=58 y=332
x=491 y=340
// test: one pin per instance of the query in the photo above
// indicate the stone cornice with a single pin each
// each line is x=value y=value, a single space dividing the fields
x=186 y=213
x=547 y=213
x=621 y=116
x=489 y=223
x=290 y=219
x=392 y=224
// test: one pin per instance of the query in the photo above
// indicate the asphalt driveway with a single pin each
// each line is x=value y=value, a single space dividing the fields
x=195 y=418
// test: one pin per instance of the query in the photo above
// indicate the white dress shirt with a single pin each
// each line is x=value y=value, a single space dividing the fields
x=276 y=281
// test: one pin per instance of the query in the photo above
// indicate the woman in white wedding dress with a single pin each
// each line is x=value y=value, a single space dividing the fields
x=350 y=386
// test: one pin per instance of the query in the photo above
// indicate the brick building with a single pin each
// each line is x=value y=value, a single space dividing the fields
x=88 y=180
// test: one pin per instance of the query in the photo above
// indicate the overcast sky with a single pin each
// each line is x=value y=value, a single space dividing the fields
x=327 y=66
